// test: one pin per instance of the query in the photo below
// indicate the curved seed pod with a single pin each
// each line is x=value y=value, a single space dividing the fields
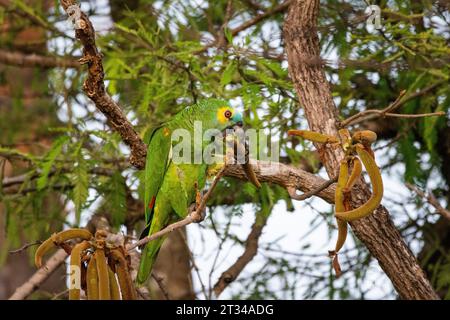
x=339 y=205
x=75 y=270
x=313 y=136
x=365 y=137
x=356 y=173
x=45 y=246
x=92 y=279
x=377 y=188
x=126 y=285
x=58 y=238
x=113 y=286
x=102 y=271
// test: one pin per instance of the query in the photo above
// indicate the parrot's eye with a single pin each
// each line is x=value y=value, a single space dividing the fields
x=227 y=114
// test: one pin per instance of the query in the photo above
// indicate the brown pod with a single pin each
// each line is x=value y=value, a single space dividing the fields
x=92 y=279
x=75 y=270
x=102 y=271
x=57 y=239
x=126 y=285
x=113 y=285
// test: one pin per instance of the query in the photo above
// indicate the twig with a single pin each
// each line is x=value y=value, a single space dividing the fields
x=94 y=88
x=162 y=287
x=39 y=276
x=195 y=216
x=293 y=190
x=387 y=112
x=251 y=249
x=431 y=199
x=24 y=247
x=258 y=18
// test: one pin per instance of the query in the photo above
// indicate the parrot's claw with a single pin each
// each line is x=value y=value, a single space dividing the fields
x=198 y=195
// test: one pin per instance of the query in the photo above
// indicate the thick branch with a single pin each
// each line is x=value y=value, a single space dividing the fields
x=376 y=231
x=95 y=90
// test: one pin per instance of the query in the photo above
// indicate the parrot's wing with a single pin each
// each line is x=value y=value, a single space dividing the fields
x=158 y=159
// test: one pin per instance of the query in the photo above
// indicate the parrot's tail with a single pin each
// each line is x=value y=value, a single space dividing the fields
x=148 y=258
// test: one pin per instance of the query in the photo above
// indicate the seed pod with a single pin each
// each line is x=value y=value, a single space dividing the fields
x=377 y=188
x=313 y=136
x=365 y=137
x=356 y=173
x=75 y=270
x=58 y=238
x=92 y=279
x=113 y=286
x=102 y=271
x=126 y=285
x=339 y=205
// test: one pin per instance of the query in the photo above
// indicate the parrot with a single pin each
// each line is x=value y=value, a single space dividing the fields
x=170 y=187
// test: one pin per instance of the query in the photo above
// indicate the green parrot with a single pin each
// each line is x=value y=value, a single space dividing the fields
x=170 y=186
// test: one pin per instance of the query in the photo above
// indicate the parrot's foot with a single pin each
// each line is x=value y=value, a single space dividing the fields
x=198 y=216
x=214 y=169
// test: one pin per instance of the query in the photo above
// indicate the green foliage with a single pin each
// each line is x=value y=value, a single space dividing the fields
x=156 y=63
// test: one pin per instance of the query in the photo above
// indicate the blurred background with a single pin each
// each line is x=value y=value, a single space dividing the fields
x=61 y=166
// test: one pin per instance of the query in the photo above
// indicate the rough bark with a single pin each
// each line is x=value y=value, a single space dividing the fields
x=377 y=231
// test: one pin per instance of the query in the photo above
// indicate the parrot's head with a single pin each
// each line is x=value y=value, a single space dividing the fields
x=218 y=114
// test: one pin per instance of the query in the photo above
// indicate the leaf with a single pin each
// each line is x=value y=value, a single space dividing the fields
x=228 y=74
x=54 y=152
x=81 y=185
x=431 y=129
x=228 y=35
x=116 y=199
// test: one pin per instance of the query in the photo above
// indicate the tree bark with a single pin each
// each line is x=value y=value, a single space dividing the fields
x=377 y=231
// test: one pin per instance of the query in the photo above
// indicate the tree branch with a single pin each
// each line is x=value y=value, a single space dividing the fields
x=431 y=199
x=17 y=58
x=95 y=90
x=40 y=276
x=387 y=112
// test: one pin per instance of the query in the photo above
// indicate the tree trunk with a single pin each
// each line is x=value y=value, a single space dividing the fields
x=376 y=231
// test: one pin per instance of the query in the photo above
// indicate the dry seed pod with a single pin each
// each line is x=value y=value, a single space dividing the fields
x=58 y=238
x=113 y=286
x=92 y=279
x=102 y=272
x=365 y=137
x=126 y=285
x=313 y=136
x=377 y=188
x=75 y=270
